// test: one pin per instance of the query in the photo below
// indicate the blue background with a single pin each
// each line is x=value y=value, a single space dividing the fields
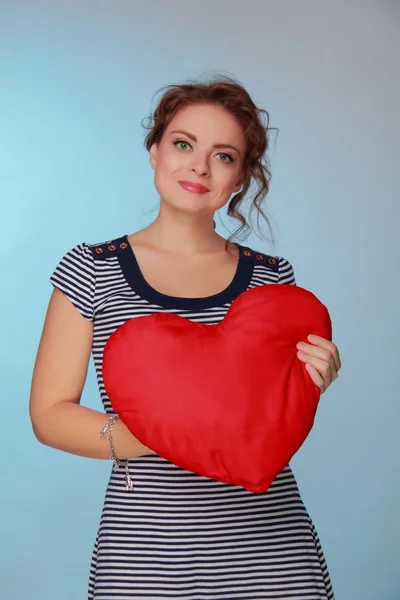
x=77 y=78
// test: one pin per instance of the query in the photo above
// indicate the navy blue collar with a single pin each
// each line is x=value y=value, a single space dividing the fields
x=137 y=282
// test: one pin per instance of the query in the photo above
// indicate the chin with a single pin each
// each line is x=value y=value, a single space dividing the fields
x=189 y=203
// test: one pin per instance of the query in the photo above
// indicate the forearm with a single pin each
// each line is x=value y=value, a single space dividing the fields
x=75 y=429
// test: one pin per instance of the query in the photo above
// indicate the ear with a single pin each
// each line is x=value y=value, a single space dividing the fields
x=238 y=186
x=153 y=155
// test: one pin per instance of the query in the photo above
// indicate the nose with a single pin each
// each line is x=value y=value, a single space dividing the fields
x=200 y=165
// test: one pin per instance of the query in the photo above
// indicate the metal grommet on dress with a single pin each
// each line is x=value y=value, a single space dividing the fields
x=123 y=245
x=260 y=257
x=247 y=253
x=112 y=247
x=99 y=250
x=272 y=261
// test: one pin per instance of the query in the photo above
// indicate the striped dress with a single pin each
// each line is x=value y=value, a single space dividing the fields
x=179 y=535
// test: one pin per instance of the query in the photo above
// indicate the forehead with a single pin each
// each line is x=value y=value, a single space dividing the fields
x=207 y=121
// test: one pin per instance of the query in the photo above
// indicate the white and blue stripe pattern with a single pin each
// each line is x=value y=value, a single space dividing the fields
x=179 y=535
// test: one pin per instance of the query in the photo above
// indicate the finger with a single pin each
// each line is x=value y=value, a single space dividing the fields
x=336 y=357
x=328 y=345
x=325 y=368
x=314 y=352
x=316 y=377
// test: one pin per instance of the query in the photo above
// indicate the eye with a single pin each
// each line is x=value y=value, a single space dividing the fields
x=230 y=157
x=180 y=142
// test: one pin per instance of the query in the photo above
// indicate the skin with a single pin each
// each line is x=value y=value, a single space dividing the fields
x=180 y=254
x=182 y=241
x=322 y=360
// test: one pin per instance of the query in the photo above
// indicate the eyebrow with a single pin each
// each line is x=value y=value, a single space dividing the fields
x=194 y=139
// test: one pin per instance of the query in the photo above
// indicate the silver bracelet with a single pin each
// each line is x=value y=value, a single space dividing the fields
x=107 y=429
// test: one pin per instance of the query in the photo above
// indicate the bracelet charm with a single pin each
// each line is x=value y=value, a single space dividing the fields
x=117 y=463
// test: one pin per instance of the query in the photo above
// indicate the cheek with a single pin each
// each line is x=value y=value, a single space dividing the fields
x=168 y=163
x=167 y=166
x=227 y=179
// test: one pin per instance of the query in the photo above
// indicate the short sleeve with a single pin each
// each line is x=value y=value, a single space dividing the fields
x=286 y=272
x=75 y=277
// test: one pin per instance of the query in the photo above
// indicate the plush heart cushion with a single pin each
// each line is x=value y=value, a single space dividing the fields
x=230 y=401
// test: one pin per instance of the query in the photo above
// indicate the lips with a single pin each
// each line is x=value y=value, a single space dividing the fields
x=196 y=188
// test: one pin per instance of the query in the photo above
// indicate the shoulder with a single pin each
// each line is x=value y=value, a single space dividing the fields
x=75 y=276
x=278 y=264
x=286 y=271
x=78 y=258
x=110 y=248
x=260 y=258
x=83 y=256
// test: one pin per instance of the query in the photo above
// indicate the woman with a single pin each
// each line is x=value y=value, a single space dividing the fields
x=177 y=534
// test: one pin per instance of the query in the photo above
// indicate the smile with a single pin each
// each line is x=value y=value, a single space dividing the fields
x=195 y=188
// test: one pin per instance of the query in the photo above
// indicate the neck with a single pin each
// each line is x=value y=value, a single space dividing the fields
x=184 y=233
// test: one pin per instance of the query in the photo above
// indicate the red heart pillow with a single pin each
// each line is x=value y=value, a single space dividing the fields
x=231 y=401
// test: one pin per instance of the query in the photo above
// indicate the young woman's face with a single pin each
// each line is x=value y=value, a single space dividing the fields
x=197 y=147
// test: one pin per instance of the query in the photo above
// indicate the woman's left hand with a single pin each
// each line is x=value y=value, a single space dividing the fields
x=322 y=360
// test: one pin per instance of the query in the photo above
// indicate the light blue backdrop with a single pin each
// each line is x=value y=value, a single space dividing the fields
x=76 y=80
